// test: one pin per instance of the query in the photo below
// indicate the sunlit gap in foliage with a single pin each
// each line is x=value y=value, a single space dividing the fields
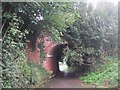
x=94 y=2
x=63 y=66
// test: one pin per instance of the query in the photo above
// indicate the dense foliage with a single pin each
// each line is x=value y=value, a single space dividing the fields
x=16 y=71
x=90 y=33
x=93 y=35
x=20 y=22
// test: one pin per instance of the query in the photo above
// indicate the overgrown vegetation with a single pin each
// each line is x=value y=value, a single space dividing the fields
x=107 y=76
x=91 y=34
x=16 y=71
x=25 y=21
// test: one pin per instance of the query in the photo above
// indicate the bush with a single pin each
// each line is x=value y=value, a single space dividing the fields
x=22 y=73
x=16 y=70
x=107 y=76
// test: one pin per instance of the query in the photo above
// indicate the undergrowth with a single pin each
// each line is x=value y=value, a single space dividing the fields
x=107 y=76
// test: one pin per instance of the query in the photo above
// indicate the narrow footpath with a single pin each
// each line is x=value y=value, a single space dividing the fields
x=66 y=80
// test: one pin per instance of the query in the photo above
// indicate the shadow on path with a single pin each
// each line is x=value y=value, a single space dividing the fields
x=67 y=80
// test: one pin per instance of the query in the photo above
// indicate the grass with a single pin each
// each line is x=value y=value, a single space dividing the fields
x=107 y=77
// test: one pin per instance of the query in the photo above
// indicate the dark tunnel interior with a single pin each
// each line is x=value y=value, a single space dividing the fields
x=58 y=52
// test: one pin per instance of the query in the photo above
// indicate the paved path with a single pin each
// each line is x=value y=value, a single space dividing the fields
x=67 y=82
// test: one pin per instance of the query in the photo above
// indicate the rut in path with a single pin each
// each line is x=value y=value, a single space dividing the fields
x=67 y=81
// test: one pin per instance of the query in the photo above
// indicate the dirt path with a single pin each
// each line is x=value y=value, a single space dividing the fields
x=67 y=82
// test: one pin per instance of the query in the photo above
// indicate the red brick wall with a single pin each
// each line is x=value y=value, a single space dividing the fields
x=49 y=63
x=34 y=56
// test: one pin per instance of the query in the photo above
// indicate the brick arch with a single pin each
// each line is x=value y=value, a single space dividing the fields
x=53 y=53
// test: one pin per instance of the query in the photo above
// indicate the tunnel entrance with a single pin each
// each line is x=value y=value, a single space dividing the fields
x=57 y=52
x=59 y=66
